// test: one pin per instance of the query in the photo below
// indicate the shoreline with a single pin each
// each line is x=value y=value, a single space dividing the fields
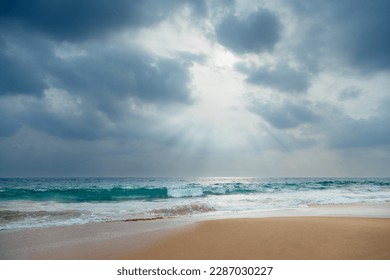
x=143 y=239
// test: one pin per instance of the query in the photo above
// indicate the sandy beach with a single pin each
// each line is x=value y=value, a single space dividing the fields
x=332 y=233
x=303 y=238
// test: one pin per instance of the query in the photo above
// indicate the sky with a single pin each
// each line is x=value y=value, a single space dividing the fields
x=194 y=88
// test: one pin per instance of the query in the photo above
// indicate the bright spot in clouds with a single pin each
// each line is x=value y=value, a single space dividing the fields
x=188 y=88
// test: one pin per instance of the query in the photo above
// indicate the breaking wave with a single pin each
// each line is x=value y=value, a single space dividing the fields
x=103 y=193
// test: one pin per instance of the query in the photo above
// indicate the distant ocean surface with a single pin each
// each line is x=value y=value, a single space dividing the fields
x=43 y=202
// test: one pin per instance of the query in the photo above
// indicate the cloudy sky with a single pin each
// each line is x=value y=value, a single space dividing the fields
x=194 y=88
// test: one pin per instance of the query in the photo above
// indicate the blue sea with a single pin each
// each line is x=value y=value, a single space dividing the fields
x=44 y=202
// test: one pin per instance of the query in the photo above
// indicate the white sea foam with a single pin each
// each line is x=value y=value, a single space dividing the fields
x=185 y=192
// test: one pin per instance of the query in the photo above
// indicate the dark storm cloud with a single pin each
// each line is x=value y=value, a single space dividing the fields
x=356 y=31
x=29 y=66
x=103 y=77
x=347 y=132
x=21 y=72
x=255 y=33
x=20 y=76
x=86 y=126
x=119 y=73
x=353 y=133
x=326 y=120
x=282 y=78
x=113 y=72
x=77 y=20
x=286 y=115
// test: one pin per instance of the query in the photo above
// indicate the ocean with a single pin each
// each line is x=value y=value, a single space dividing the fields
x=45 y=202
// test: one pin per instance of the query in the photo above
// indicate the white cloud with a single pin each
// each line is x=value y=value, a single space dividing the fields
x=61 y=102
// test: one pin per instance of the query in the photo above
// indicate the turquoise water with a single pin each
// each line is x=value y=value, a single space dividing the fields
x=40 y=202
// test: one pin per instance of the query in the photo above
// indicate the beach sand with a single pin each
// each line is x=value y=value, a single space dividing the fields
x=328 y=233
x=302 y=238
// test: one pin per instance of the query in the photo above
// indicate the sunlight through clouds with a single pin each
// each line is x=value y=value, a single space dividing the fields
x=213 y=87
